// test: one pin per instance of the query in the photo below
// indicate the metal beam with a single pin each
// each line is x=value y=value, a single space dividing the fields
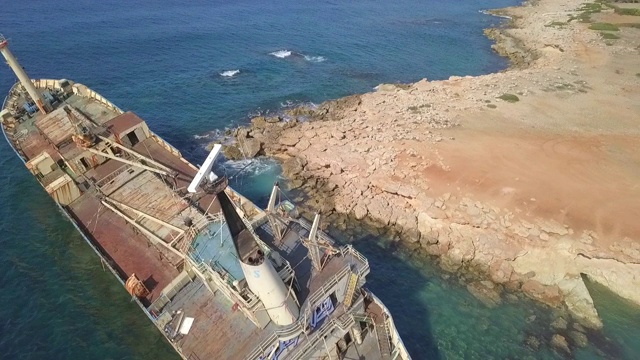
x=143 y=214
x=162 y=172
x=134 y=153
x=312 y=244
x=271 y=213
x=141 y=228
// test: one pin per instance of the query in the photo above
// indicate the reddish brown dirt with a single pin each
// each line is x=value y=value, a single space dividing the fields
x=581 y=181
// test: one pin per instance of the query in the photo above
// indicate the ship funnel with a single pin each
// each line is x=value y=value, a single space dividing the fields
x=261 y=276
x=22 y=76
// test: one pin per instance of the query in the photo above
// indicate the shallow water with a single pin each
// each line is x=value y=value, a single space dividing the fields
x=173 y=63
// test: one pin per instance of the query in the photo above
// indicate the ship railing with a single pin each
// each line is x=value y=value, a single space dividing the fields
x=394 y=338
x=327 y=286
x=83 y=90
x=265 y=346
x=10 y=94
x=112 y=175
x=349 y=250
x=345 y=322
x=169 y=147
x=168 y=294
x=286 y=272
x=224 y=280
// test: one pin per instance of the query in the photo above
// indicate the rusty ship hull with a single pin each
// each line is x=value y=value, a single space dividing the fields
x=125 y=191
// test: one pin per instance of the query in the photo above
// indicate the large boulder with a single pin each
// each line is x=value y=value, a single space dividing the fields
x=232 y=152
x=359 y=211
x=250 y=147
x=546 y=294
x=289 y=139
x=560 y=343
x=293 y=167
x=579 y=302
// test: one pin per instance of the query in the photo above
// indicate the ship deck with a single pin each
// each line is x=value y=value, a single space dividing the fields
x=218 y=332
x=229 y=334
x=135 y=216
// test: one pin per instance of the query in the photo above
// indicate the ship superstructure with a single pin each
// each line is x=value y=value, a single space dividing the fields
x=220 y=277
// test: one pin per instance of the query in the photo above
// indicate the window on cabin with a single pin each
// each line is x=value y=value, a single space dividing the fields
x=133 y=138
x=84 y=163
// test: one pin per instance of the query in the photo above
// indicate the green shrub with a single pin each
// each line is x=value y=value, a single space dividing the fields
x=603 y=27
x=607 y=35
x=627 y=11
x=509 y=98
x=491 y=106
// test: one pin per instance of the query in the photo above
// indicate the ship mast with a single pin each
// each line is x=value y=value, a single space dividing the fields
x=22 y=76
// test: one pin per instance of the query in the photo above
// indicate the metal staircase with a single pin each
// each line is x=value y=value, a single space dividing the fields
x=351 y=289
x=383 y=339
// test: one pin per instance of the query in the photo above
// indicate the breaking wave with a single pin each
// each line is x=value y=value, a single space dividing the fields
x=230 y=73
x=248 y=167
x=314 y=58
x=205 y=136
x=281 y=54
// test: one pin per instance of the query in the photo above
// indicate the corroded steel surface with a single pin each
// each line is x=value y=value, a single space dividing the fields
x=130 y=250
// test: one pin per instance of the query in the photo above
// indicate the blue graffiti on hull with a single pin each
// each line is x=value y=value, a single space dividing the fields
x=321 y=312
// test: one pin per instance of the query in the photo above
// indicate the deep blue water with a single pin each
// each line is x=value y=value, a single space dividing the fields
x=163 y=60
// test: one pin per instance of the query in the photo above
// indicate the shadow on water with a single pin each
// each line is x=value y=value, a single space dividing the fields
x=395 y=282
x=621 y=324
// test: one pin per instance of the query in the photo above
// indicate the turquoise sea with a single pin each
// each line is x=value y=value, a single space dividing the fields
x=170 y=61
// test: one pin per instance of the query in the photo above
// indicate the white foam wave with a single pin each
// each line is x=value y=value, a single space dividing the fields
x=230 y=73
x=198 y=137
x=250 y=167
x=281 y=54
x=314 y=58
x=488 y=12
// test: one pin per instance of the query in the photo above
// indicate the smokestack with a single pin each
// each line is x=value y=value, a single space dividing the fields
x=22 y=75
x=262 y=278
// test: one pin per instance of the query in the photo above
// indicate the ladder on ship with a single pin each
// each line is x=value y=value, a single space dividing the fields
x=351 y=289
x=383 y=338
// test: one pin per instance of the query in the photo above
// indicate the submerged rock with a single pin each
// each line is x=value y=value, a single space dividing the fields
x=559 y=324
x=560 y=343
x=532 y=342
x=579 y=339
x=486 y=292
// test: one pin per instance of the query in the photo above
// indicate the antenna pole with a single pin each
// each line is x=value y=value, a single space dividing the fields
x=22 y=76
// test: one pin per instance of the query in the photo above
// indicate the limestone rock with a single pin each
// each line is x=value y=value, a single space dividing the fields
x=549 y=295
x=289 y=140
x=579 y=302
x=500 y=271
x=250 y=148
x=486 y=293
x=559 y=324
x=579 y=339
x=231 y=152
x=259 y=122
x=559 y=342
x=359 y=212
x=293 y=166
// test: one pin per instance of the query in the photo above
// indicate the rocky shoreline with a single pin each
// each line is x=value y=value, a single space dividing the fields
x=412 y=161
